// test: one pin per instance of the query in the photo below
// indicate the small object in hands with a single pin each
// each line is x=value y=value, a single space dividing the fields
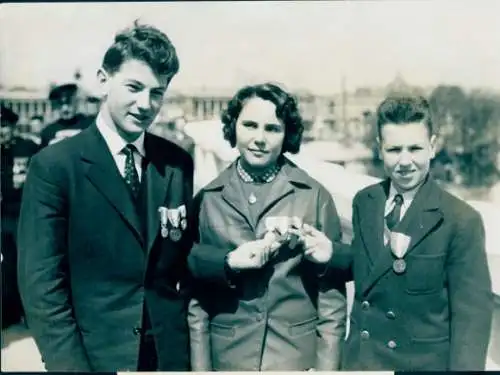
x=252 y=198
x=399 y=266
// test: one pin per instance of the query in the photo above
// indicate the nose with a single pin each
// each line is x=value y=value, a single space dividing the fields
x=406 y=158
x=143 y=101
x=259 y=137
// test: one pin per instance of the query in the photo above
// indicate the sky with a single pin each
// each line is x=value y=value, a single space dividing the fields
x=302 y=44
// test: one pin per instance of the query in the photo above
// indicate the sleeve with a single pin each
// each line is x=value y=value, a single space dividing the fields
x=43 y=271
x=470 y=296
x=332 y=302
x=199 y=334
x=207 y=263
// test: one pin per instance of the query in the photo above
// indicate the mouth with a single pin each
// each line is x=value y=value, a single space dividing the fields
x=405 y=173
x=257 y=152
x=139 y=118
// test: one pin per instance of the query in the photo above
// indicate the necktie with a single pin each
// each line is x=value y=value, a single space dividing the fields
x=392 y=219
x=131 y=175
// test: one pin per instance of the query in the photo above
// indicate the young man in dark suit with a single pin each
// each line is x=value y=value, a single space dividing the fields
x=100 y=270
x=423 y=298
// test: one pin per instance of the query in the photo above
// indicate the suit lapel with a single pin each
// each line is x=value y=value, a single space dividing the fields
x=103 y=173
x=372 y=221
x=421 y=218
x=282 y=187
x=423 y=215
x=234 y=195
x=158 y=175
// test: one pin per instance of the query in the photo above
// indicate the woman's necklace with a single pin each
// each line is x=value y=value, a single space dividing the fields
x=266 y=177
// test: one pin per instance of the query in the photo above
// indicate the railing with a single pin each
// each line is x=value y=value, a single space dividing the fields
x=213 y=154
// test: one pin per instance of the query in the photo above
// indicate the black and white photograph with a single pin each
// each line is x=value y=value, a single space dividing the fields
x=260 y=186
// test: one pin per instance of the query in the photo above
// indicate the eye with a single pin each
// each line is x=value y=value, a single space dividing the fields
x=416 y=148
x=273 y=128
x=249 y=124
x=393 y=150
x=157 y=94
x=133 y=88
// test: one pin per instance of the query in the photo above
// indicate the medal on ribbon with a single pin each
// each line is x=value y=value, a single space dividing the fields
x=174 y=219
x=163 y=221
x=183 y=215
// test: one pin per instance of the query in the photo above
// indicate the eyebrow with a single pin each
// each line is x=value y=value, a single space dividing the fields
x=133 y=81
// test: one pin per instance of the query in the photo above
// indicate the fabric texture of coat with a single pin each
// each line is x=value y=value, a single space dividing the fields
x=288 y=315
x=88 y=259
x=437 y=314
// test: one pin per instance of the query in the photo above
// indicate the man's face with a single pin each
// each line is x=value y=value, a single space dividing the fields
x=36 y=125
x=5 y=134
x=259 y=134
x=406 y=150
x=134 y=96
x=67 y=106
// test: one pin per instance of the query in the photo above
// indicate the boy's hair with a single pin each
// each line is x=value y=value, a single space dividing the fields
x=403 y=110
x=145 y=43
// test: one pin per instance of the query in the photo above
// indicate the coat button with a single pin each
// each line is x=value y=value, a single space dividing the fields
x=136 y=330
x=390 y=314
x=392 y=344
x=365 y=305
x=365 y=335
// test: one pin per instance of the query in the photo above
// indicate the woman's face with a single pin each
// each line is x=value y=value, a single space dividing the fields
x=259 y=134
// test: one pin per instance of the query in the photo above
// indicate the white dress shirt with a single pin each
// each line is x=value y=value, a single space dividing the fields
x=408 y=197
x=116 y=144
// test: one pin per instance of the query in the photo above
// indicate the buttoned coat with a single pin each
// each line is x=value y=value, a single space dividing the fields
x=285 y=316
x=88 y=259
x=437 y=314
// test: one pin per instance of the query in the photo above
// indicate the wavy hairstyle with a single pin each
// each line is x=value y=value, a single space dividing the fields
x=287 y=112
x=145 y=43
x=404 y=109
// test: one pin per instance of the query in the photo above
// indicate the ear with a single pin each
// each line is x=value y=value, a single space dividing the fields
x=433 y=145
x=379 y=147
x=103 y=79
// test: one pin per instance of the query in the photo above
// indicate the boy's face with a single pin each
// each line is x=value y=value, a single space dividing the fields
x=406 y=150
x=134 y=96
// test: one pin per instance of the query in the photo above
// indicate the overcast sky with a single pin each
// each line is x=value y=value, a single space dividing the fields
x=305 y=45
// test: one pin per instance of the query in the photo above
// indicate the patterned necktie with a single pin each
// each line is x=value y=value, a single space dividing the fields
x=131 y=175
x=392 y=219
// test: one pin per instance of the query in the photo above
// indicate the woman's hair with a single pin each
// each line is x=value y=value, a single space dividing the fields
x=145 y=43
x=400 y=109
x=287 y=112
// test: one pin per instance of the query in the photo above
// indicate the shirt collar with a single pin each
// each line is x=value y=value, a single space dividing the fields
x=407 y=195
x=114 y=141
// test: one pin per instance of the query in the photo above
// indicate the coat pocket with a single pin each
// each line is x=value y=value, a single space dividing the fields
x=303 y=328
x=425 y=273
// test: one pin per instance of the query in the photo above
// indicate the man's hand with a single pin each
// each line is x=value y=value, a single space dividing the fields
x=317 y=246
x=254 y=254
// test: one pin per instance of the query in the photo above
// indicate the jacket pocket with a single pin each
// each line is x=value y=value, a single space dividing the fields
x=430 y=340
x=303 y=328
x=222 y=330
x=425 y=273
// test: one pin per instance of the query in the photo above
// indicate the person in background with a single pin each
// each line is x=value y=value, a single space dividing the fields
x=263 y=296
x=36 y=124
x=64 y=101
x=16 y=152
x=103 y=229
x=175 y=133
x=423 y=298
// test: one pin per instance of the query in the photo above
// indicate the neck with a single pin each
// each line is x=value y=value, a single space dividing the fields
x=110 y=123
x=257 y=171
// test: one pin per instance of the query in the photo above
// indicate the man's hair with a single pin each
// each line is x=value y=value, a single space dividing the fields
x=145 y=43
x=37 y=117
x=404 y=109
x=287 y=112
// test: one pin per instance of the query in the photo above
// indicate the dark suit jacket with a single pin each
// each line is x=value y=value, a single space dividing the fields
x=436 y=315
x=87 y=262
x=285 y=316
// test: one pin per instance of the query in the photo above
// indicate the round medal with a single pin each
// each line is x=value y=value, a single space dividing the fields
x=399 y=266
x=175 y=234
x=164 y=232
